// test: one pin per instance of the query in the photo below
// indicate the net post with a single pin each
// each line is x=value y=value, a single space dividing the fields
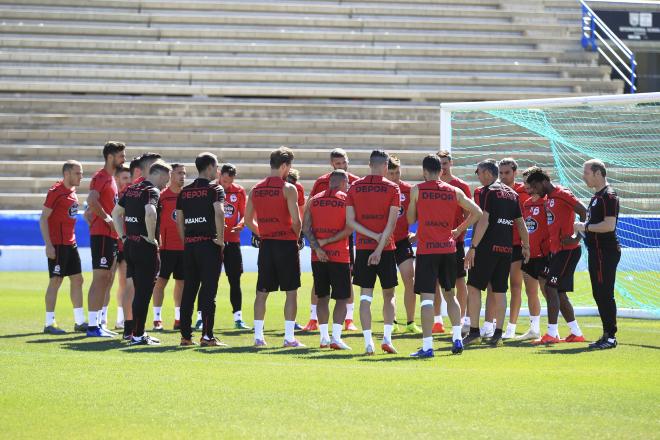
x=445 y=129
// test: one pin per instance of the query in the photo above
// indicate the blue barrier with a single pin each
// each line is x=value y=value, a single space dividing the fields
x=21 y=228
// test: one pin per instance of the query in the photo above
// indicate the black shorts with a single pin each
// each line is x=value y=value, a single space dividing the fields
x=171 y=263
x=535 y=267
x=490 y=267
x=561 y=269
x=517 y=254
x=403 y=251
x=460 y=260
x=365 y=275
x=104 y=251
x=233 y=260
x=332 y=275
x=431 y=269
x=66 y=261
x=279 y=266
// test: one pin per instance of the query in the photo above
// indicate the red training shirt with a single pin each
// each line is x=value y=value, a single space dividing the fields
x=436 y=214
x=536 y=220
x=460 y=213
x=169 y=235
x=328 y=212
x=105 y=185
x=561 y=217
x=62 y=220
x=401 y=228
x=272 y=212
x=235 y=202
x=323 y=183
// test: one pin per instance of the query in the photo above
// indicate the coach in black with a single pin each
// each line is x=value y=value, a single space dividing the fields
x=139 y=209
x=603 y=247
x=200 y=218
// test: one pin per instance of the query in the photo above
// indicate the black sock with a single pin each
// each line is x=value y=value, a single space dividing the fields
x=410 y=322
x=128 y=327
x=474 y=330
x=498 y=333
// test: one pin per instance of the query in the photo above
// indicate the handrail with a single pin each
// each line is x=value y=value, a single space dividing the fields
x=593 y=29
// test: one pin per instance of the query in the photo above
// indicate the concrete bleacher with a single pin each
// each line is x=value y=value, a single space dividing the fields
x=241 y=77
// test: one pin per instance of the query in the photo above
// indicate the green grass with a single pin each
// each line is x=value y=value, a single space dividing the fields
x=64 y=387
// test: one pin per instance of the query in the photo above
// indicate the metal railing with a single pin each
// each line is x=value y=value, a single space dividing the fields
x=595 y=34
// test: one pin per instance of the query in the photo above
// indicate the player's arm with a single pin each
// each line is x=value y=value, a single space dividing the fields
x=94 y=205
x=45 y=234
x=150 y=219
x=524 y=237
x=241 y=212
x=249 y=216
x=609 y=222
x=389 y=228
x=309 y=234
x=180 y=223
x=580 y=210
x=474 y=213
x=353 y=224
x=118 y=220
x=219 y=215
x=337 y=237
x=411 y=215
x=291 y=194
x=477 y=235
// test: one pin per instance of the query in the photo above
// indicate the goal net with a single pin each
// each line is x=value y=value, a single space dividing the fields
x=559 y=135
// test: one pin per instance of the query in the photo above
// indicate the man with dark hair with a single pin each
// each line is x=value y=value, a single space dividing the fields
x=134 y=168
x=103 y=241
x=373 y=205
x=123 y=181
x=171 y=249
x=603 y=246
x=57 y=225
x=433 y=205
x=338 y=161
x=145 y=161
x=446 y=176
x=561 y=207
x=403 y=239
x=272 y=213
x=200 y=219
x=489 y=257
x=139 y=211
x=325 y=227
x=235 y=202
x=508 y=170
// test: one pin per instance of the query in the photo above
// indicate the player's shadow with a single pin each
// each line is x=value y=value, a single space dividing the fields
x=56 y=340
x=229 y=350
x=324 y=355
x=291 y=351
x=98 y=346
x=21 y=335
x=148 y=349
x=652 y=347
x=574 y=350
x=389 y=359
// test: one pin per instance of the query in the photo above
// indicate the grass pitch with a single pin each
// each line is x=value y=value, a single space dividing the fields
x=68 y=386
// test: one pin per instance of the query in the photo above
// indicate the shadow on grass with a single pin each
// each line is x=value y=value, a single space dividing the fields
x=652 y=347
x=56 y=339
x=21 y=335
x=230 y=350
x=96 y=345
x=148 y=348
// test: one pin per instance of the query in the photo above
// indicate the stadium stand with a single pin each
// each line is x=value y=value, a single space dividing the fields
x=240 y=77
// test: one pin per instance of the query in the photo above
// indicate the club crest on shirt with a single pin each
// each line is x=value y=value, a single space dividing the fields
x=174 y=214
x=401 y=209
x=550 y=216
x=402 y=197
x=233 y=198
x=532 y=225
x=73 y=210
x=229 y=211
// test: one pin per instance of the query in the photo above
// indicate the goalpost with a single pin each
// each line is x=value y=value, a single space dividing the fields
x=559 y=134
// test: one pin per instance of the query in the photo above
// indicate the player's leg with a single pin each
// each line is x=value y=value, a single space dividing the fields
x=190 y=289
x=103 y=313
x=103 y=254
x=515 y=285
x=447 y=279
x=339 y=275
x=323 y=313
x=365 y=278
x=387 y=273
x=313 y=323
x=338 y=317
x=158 y=298
x=121 y=290
x=565 y=284
x=349 y=325
x=233 y=262
x=407 y=271
x=177 y=293
x=554 y=270
x=146 y=265
x=54 y=284
x=602 y=271
x=478 y=279
x=499 y=283
x=490 y=316
x=461 y=285
x=530 y=275
x=210 y=269
x=321 y=278
x=438 y=322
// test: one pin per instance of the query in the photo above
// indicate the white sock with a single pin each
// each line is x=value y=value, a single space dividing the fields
x=238 y=316
x=92 y=319
x=466 y=321
x=120 y=315
x=50 y=318
x=511 y=328
x=535 y=323
x=288 y=330
x=336 y=332
x=456 y=333
x=258 y=329
x=438 y=319
x=575 y=328
x=367 y=337
x=349 y=311
x=79 y=315
x=553 y=330
x=427 y=343
x=99 y=318
x=323 y=328
x=488 y=326
x=157 y=316
x=104 y=315
x=177 y=313
x=387 y=332
x=312 y=313
x=199 y=315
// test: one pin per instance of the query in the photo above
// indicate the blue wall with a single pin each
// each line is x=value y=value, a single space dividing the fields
x=21 y=228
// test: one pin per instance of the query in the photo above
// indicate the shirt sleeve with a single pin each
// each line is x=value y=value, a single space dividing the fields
x=220 y=194
x=395 y=201
x=349 y=197
x=466 y=190
x=315 y=190
x=153 y=197
x=611 y=202
x=242 y=201
x=122 y=200
x=179 y=205
x=50 y=200
x=517 y=212
x=486 y=200
x=301 y=194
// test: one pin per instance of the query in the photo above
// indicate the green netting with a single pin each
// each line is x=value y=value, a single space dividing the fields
x=626 y=137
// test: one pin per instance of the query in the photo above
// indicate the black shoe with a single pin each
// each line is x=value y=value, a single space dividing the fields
x=495 y=341
x=598 y=342
x=81 y=328
x=606 y=344
x=472 y=339
x=144 y=340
